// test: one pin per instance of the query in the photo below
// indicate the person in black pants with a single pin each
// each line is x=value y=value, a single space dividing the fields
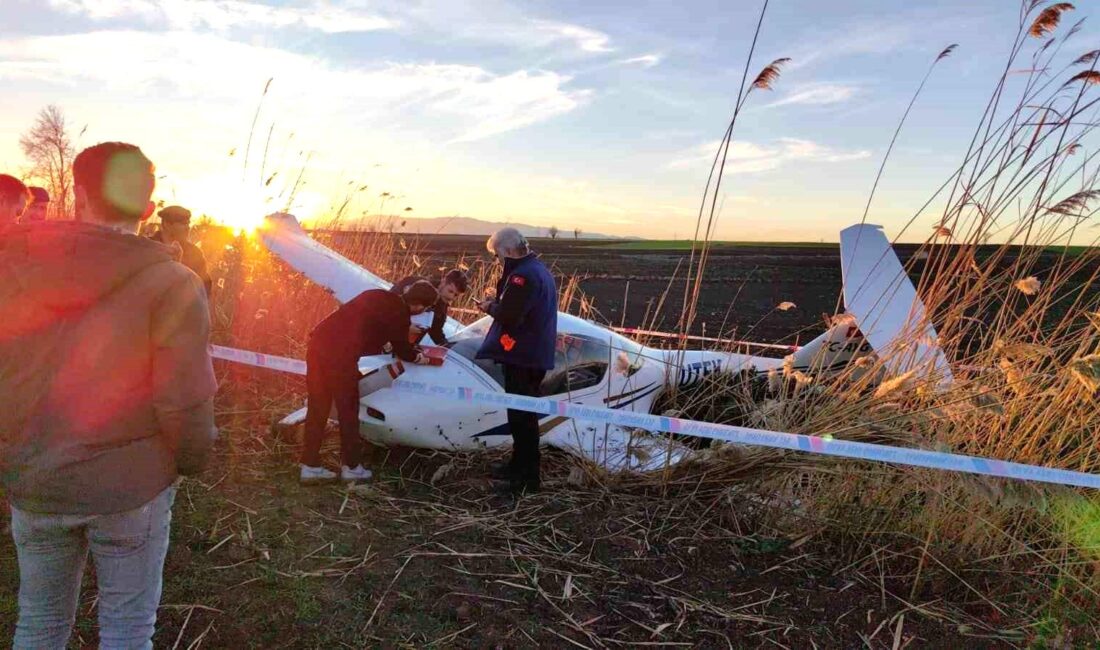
x=374 y=322
x=522 y=337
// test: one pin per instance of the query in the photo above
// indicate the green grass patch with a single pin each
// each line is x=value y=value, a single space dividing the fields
x=685 y=245
x=1072 y=251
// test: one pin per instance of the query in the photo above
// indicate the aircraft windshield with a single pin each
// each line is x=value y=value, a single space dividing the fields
x=477 y=329
x=580 y=362
x=468 y=341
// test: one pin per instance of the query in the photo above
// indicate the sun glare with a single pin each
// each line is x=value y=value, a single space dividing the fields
x=232 y=204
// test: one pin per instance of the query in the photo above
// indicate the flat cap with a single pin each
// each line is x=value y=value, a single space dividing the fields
x=175 y=214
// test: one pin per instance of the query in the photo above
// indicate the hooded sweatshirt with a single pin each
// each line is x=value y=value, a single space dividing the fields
x=106 y=382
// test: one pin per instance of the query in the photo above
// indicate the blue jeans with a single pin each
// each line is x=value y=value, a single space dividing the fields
x=128 y=549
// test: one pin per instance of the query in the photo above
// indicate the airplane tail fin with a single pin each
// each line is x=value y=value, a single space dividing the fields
x=884 y=303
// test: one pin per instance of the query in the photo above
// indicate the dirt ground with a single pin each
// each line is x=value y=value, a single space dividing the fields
x=742 y=285
x=259 y=562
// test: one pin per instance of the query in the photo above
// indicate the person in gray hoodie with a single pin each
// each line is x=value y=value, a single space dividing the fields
x=106 y=387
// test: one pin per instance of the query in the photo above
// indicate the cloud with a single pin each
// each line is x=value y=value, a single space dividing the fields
x=881 y=33
x=455 y=102
x=585 y=39
x=227 y=14
x=498 y=22
x=490 y=22
x=858 y=38
x=646 y=60
x=817 y=95
x=749 y=157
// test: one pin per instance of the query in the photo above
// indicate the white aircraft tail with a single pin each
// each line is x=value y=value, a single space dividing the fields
x=884 y=315
x=886 y=308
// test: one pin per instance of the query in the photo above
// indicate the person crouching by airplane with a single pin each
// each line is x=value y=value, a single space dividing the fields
x=13 y=199
x=374 y=322
x=454 y=284
x=522 y=338
x=175 y=230
x=107 y=395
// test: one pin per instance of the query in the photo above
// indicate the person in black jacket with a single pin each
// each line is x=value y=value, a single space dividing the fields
x=454 y=284
x=374 y=322
x=175 y=230
x=522 y=339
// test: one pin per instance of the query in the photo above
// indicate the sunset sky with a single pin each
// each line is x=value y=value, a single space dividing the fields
x=573 y=113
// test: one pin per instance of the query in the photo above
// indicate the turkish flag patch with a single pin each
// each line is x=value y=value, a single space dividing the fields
x=507 y=342
x=519 y=280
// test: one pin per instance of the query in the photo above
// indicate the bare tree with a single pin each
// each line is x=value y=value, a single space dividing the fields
x=553 y=232
x=576 y=233
x=49 y=148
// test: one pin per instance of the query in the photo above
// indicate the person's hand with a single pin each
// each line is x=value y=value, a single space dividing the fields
x=484 y=305
x=415 y=331
x=422 y=359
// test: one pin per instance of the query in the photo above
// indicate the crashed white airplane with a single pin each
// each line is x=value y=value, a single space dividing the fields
x=602 y=368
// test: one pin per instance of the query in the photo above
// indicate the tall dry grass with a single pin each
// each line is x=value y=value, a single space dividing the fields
x=1018 y=320
x=1013 y=317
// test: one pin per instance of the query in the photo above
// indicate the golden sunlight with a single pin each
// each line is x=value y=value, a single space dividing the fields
x=229 y=203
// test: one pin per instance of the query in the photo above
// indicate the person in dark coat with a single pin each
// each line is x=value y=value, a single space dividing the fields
x=521 y=339
x=374 y=322
x=13 y=199
x=175 y=229
x=453 y=285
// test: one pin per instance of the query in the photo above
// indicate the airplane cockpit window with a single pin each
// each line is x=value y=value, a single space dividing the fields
x=479 y=328
x=468 y=346
x=580 y=362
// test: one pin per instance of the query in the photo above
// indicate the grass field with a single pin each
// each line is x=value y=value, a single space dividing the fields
x=685 y=245
x=1073 y=251
x=428 y=557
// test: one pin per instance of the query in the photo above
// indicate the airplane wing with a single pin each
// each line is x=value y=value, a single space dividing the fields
x=283 y=235
x=878 y=293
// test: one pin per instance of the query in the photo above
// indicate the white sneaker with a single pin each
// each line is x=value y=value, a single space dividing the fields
x=358 y=473
x=315 y=475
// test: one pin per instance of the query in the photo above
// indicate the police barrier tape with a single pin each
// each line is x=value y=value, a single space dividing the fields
x=259 y=360
x=742 y=435
x=724 y=432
